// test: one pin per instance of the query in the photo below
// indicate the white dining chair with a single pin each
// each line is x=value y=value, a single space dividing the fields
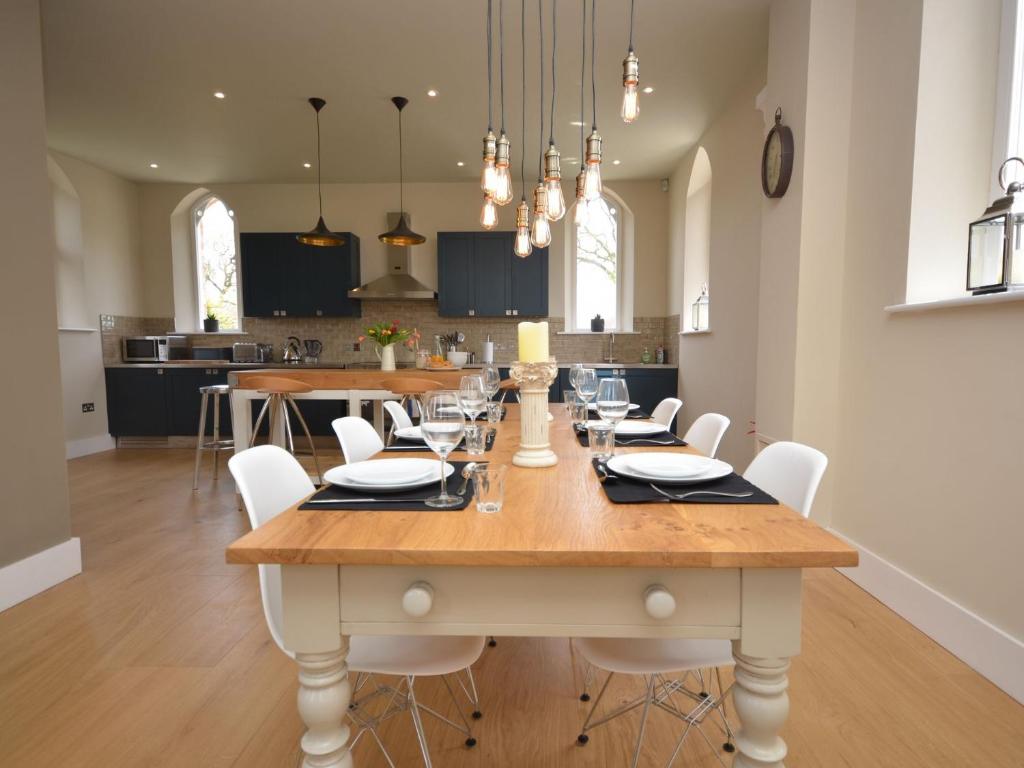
x=359 y=440
x=666 y=410
x=270 y=480
x=399 y=418
x=706 y=433
x=790 y=472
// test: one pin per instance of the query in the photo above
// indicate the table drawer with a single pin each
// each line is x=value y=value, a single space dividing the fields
x=606 y=602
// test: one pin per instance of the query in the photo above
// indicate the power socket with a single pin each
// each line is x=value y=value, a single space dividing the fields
x=88 y=407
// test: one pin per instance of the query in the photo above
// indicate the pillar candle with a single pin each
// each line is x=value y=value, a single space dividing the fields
x=533 y=342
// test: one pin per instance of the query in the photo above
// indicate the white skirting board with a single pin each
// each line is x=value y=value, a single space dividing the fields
x=36 y=573
x=987 y=649
x=86 y=445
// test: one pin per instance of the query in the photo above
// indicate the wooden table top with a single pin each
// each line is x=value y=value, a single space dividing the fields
x=340 y=378
x=556 y=516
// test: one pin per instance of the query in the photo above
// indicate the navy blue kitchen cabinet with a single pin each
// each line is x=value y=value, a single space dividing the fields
x=281 y=277
x=478 y=275
x=318 y=415
x=137 y=402
x=184 y=401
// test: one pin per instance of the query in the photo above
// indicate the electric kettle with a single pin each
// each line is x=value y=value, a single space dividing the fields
x=292 y=353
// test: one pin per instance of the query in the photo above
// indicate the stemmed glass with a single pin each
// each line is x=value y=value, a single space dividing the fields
x=471 y=396
x=492 y=380
x=612 y=401
x=586 y=384
x=442 y=425
x=573 y=373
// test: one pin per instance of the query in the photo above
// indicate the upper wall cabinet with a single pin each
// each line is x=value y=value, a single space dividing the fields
x=281 y=277
x=478 y=275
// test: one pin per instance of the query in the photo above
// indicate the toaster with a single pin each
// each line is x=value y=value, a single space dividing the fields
x=244 y=352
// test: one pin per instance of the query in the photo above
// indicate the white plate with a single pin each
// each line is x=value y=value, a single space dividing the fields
x=632 y=406
x=387 y=474
x=409 y=433
x=634 y=428
x=668 y=468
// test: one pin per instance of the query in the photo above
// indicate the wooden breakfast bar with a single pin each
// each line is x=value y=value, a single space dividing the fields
x=559 y=560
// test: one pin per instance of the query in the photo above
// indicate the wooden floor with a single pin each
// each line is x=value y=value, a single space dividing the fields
x=158 y=655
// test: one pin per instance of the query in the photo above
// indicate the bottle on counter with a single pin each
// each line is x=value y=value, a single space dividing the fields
x=645 y=358
x=659 y=355
x=422 y=357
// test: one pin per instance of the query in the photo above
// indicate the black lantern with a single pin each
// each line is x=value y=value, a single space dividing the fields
x=995 y=249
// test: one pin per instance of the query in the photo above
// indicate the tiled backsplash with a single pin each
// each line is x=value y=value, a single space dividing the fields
x=339 y=334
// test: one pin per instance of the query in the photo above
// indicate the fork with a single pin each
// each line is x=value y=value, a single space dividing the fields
x=645 y=441
x=362 y=501
x=681 y=496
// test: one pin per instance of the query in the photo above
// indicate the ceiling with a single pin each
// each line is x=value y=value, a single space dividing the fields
x=131 y=83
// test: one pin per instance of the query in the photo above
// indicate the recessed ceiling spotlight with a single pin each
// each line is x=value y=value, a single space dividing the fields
x=432 y=93
x=307 y=165
x=577 y=123
x=218 y=94
x=616 y=162
x=153 y=165
x=460 y=163
x=648 y=89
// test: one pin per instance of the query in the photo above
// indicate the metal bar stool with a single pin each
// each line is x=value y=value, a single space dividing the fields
x=280 y=394
x=216 y=444
x=408 y=388
x=506 y=386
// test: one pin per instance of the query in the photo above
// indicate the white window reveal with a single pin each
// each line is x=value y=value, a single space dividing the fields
x=216 y=262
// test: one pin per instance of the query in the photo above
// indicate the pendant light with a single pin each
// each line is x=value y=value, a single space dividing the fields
x=502 y=154
x=522 y=246
x=592 y=182
x=489 y=174
x=540 y=232
x=580 y=213
x=401 y=234
x=320 y=234
x=630 y=77
x=552 y=158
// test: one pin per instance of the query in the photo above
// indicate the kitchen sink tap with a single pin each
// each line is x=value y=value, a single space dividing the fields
x=611 y=348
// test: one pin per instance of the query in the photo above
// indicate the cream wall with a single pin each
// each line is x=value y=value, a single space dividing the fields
x=33 y=475
x=96 y=213
x=361 y=208
x=717 y=370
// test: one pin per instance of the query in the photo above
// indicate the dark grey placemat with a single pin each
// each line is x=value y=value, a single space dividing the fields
x=623 y=490
x=661 y=440
x=333 y=497
x=407 y=446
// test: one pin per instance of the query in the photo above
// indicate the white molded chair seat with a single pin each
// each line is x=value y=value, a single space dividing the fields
x=359 y=440
x=416 y=656
x=791 y=472
x=666 y=410
x=398 y=414
x=706 y=433
x=630 y=656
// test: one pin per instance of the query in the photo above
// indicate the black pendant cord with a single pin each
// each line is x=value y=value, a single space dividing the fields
x=632 y=8
x=554 y=43
x=540 y=134
x=522 y=153
x=593 y=59
x=319 y=193
x=501 y=57
x=490 y=85
x=583 y=76
x=401 y=171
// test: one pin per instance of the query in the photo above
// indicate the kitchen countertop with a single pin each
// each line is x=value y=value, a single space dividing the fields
x=349 y=366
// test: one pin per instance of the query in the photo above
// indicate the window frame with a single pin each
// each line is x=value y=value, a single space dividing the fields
x=1008 y=133
x=197 y=287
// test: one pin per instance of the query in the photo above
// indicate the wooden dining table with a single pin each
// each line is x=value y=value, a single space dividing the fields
x=558 y=560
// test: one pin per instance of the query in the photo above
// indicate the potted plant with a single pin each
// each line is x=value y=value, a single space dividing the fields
x=385 y=336
x=210 y=323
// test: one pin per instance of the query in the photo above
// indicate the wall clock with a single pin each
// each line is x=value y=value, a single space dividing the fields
x=777 y=158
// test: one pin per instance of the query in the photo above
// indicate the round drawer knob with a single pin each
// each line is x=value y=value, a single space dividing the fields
x=659 y=602
x=418 y=599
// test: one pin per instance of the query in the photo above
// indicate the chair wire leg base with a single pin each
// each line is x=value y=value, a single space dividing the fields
x=309 y=437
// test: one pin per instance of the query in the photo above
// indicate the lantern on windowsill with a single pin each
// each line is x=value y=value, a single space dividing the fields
x=699 y=311
x=995 y=248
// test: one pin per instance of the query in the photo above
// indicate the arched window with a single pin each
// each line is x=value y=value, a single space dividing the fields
x=697 y=253
x=216 y=262
x=599 y=276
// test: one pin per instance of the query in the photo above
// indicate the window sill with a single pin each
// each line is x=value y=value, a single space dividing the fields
x=695 y=333
x=959 y=301
x=598 y=333
x=70 y=329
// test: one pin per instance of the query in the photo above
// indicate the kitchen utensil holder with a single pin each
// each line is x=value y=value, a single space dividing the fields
x=534 y=380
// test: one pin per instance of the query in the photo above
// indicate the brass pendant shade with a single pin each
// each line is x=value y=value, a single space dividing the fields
x=401 y=234
x=319 y=235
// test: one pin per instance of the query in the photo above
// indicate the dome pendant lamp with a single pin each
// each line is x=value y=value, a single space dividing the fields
x=401 y=234
x=320 y=234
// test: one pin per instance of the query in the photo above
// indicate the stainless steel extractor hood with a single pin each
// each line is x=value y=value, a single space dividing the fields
x=398 y=283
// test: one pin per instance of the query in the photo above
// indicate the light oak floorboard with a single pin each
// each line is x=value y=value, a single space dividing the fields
x=158 y=655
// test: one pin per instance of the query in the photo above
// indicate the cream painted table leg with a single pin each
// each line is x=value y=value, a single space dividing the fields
x=378 y=416
x=311 y=621
x=241 y=420
x=770 y=626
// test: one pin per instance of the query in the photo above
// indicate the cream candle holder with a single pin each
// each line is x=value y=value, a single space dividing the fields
x=534 y=381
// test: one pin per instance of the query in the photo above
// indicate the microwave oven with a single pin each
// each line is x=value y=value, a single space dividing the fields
x=152 y=349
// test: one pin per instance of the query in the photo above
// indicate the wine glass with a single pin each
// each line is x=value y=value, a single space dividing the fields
x=471 y=396
x=442 y=425
x=573 y=373
x=492 y=380
x=586 y=384
x=612 y=400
